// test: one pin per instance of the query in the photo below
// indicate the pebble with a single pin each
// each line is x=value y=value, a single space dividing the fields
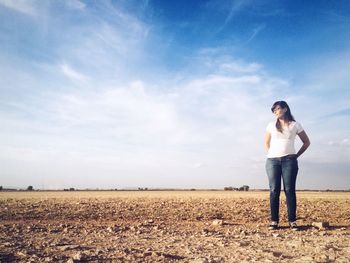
x=320 y=225
x=277 y=253
x=243 y=243
x=147 y=253
x=217 y=222
x=77 y=256
x=275 y=235
x=306 y=259
x=21 y=253
x=199 y=260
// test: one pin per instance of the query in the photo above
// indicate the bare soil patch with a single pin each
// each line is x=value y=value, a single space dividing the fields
x=171 y=226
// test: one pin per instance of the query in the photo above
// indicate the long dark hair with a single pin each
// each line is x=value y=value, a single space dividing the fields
x=288 y=115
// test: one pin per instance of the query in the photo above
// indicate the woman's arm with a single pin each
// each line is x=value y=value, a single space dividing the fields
x=306 y=143
x=267 y=140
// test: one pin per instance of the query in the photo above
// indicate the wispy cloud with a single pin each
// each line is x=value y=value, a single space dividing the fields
x=21 y=6
x=256 y=31
x=341 y=113
x=71 y=73
x=229 y=8
x=241 y=68
x=236 y=6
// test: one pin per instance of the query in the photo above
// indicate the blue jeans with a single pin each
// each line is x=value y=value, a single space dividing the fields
x=287 y=169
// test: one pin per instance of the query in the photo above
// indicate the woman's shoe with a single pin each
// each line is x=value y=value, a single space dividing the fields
x=273 y=225
x=294 y=226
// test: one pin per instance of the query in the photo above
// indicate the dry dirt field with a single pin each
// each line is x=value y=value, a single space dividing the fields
x=169 y=226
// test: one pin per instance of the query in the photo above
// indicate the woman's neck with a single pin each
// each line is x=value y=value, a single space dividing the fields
x=283 y=121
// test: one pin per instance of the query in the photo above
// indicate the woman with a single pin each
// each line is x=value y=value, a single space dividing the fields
x=282 y=160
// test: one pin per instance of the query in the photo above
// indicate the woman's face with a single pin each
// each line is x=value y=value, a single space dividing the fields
x=279 y=111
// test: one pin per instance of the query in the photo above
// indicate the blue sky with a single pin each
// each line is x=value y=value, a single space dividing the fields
x=115 y=94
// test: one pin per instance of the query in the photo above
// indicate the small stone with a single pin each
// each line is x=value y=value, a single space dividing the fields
x=277 y=253
x=147 y=254
x=199 y=217
x=110 y=229
x=21 y=253
x=199 y=260
x=243 y=243
x=63 y=248
x=155 y=254
x=77 y=256
x=205 y=231
x=306 y=259
x=320 y=225
x=275 y=235
x=217 y=222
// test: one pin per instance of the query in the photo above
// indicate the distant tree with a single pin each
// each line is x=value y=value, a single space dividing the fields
x=228 y=188
x=72 y=189
x=1 y=188
x=244 y=188
x=30 y=188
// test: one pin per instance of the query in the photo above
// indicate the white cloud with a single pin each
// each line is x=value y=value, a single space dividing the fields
x=140 y=129
x=71 y=73
x=241 y=68
x=345 y=142
x=22 y=6
x=214 y=81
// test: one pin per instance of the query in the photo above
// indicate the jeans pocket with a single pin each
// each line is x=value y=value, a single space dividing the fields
x=291 y=157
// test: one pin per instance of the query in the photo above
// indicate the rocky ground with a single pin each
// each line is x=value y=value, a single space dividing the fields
x=206 y=227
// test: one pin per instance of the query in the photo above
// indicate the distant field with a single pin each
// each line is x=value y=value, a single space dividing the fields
x=165 y=194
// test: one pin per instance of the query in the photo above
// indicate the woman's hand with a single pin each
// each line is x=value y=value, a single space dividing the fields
x=306 y=142
x=292 y=156
x=267 y=141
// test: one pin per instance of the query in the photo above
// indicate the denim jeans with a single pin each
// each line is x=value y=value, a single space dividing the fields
x=287 y=169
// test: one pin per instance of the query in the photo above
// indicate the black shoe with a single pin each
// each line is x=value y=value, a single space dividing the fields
x=273 y=225
x=294 y=226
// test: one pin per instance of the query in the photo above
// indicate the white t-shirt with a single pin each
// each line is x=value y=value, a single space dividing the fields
x=282 y=144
